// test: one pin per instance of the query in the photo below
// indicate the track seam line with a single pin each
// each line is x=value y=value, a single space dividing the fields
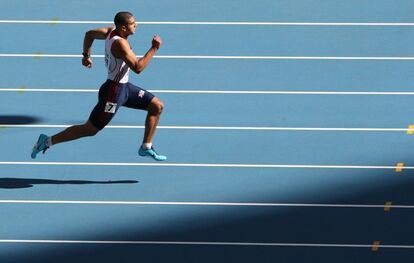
x=211 y=165
x=281 y=92
x=223 y=57
x=170 y=203
x=238 y=128
x=224 y=23
x=212 y=243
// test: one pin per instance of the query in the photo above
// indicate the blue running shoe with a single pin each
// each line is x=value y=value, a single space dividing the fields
x=152 y=153
x=40 y=145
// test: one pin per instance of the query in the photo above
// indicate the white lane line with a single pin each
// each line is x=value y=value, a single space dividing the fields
x=214 y=243
x=205 y=165
x=236 y=128
x=39 y=55
x=76 y=202
x=222 y=23
x=248 y=92
x=50 y=90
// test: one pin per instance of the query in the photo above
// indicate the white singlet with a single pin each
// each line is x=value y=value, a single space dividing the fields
x=118 y=70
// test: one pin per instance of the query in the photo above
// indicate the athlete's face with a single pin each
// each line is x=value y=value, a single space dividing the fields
x=131 y=26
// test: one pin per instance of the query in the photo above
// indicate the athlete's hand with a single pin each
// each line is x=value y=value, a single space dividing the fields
x=87 y=62
x=156 y=42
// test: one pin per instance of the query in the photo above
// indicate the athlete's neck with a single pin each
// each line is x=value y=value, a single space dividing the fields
x=120 y=33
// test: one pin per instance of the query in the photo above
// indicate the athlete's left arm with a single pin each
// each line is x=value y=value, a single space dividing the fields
x=121 y=49
x=90 y=36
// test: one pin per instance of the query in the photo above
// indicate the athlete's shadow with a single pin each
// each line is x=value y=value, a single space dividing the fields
x=13 y=183
x=18 y=119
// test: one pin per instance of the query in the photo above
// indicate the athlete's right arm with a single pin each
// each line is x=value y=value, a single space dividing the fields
x=90 y=36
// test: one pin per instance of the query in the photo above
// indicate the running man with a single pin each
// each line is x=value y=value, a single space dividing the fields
x=116 y=91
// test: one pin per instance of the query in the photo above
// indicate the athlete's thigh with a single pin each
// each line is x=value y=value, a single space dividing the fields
x=138 y=98
x=107 y=106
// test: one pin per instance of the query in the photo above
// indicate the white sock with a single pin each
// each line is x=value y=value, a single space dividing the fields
x=146 y=146
x=48 y=142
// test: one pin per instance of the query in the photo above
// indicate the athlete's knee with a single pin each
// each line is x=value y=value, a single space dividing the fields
x=92 y=132
x=89 y=129
x=160 y=107
x=156 y=107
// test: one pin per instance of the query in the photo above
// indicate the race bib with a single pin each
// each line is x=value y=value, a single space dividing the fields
x=110 y=107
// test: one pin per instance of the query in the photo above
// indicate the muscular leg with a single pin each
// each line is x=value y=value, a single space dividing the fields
x=153 y=116
x=75 y=132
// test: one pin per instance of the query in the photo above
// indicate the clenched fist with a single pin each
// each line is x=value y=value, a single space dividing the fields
x=156 y=42
x=87 y=62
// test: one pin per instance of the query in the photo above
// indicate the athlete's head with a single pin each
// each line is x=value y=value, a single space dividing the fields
x=125 y=23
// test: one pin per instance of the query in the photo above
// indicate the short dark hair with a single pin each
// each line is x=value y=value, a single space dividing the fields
x=122 y=18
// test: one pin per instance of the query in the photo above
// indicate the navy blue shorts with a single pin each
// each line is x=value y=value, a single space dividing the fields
x=113 y=95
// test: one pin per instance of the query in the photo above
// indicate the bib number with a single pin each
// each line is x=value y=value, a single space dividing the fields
x=110 y=107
